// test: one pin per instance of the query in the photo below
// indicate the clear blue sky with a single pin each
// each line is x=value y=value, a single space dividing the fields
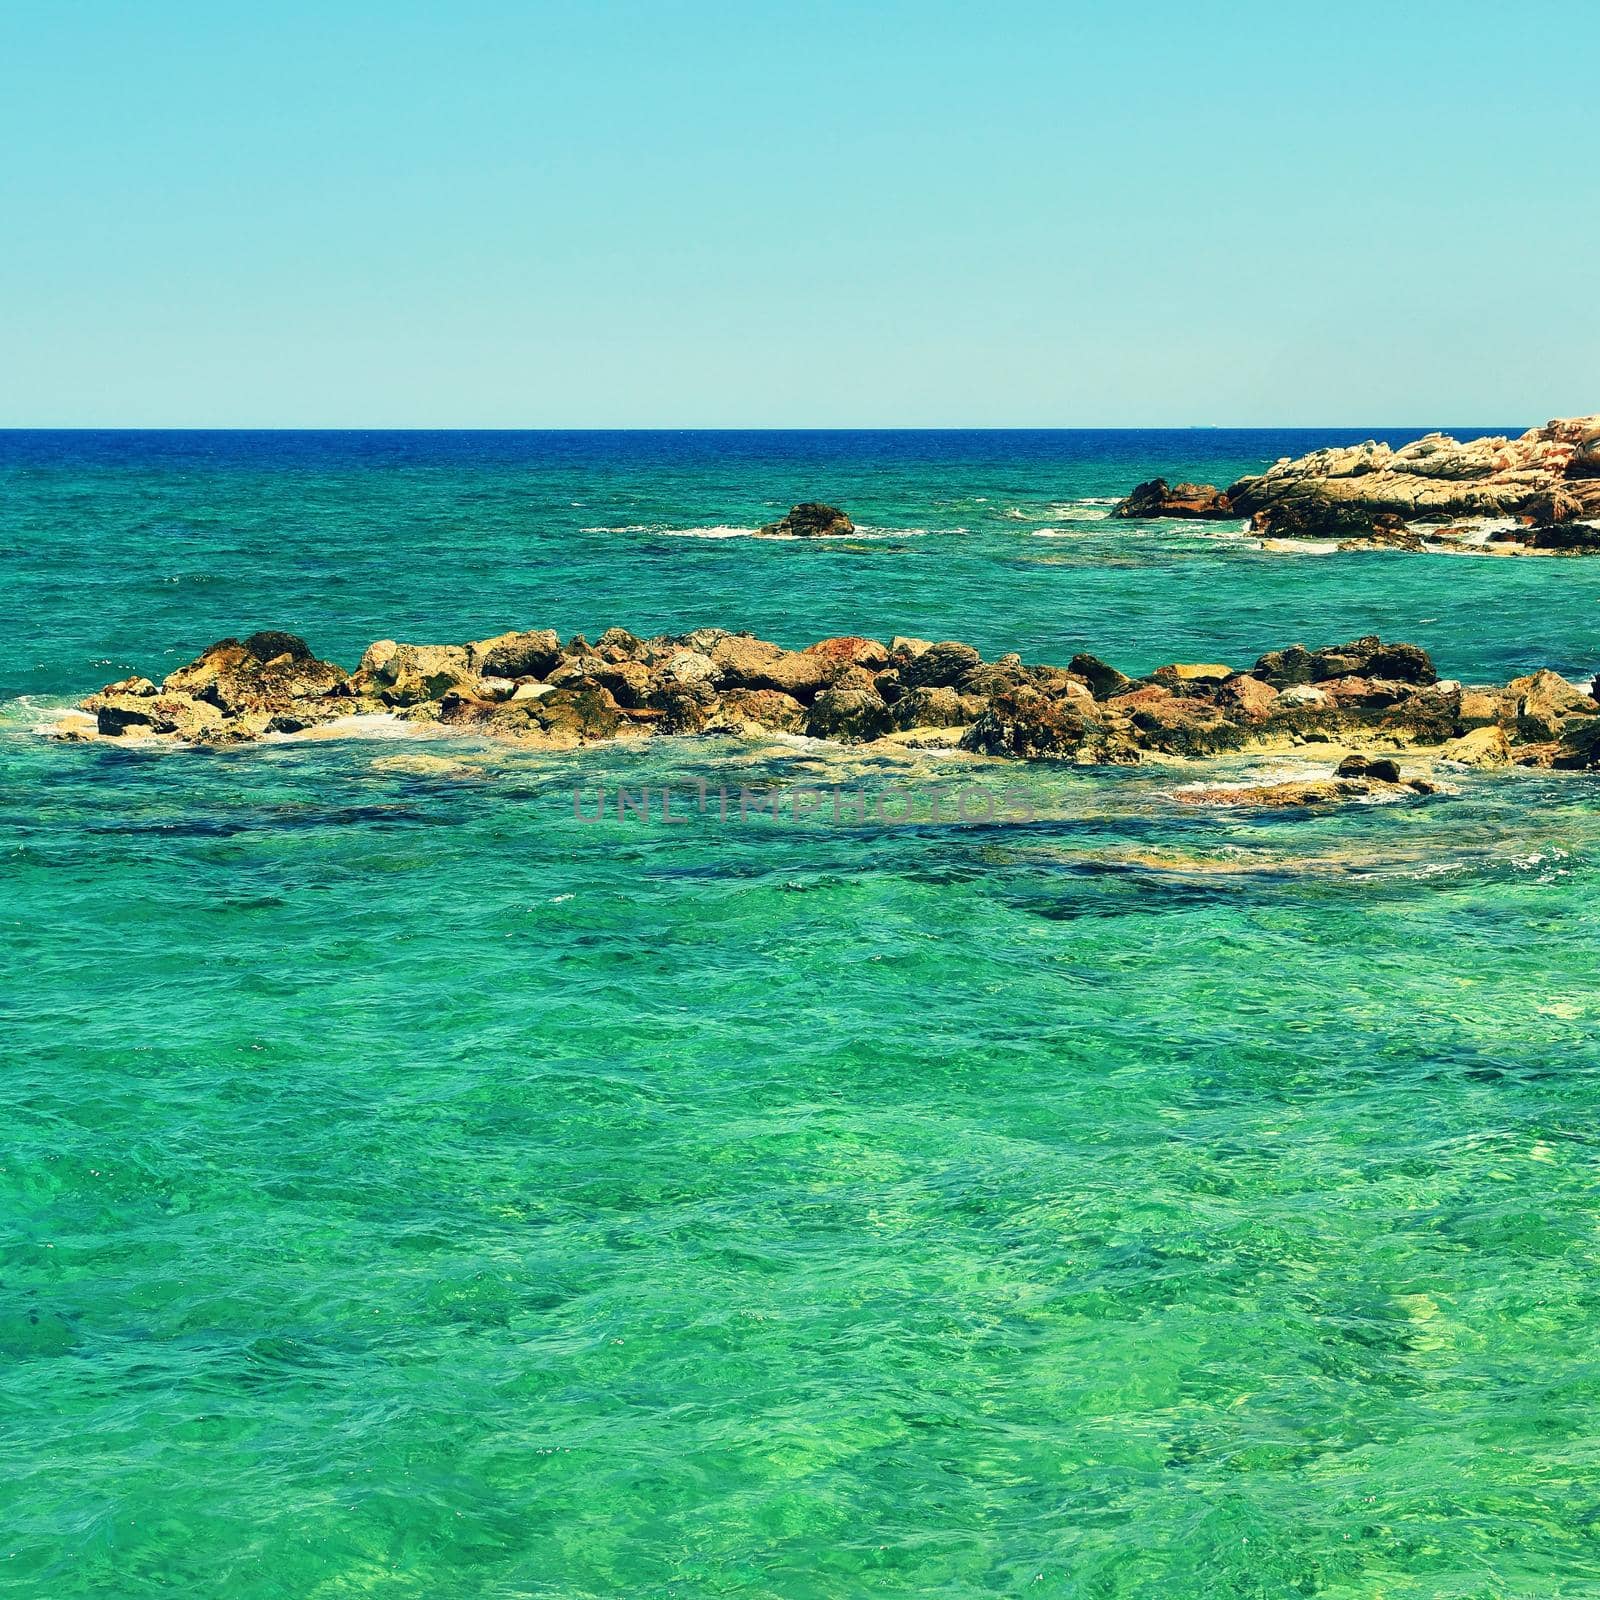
x=919 y=213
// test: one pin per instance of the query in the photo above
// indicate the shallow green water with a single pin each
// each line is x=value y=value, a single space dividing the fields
x=412 y=1189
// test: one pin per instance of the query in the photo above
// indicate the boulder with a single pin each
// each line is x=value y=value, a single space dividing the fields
x=1428 y=715
x=1103 y=680
x=746 y=662
x=406 y=674
x=851 y=651
x=1580 y=744
x=515 y=655
x=940 y=707
x=1483 y=746
x=811 y=519
x=941 y=665
x=179 y=716
x=850 y=715
x=1026 y=723
x=1159 y=499
x=1182 y=726
x=1179 y=674
x=740 y=710
x=1385 y=769
x=1246 y=697
x=266 y=672
x=1544 y=702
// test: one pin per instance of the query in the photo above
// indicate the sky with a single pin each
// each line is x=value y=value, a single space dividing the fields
x=918 y=214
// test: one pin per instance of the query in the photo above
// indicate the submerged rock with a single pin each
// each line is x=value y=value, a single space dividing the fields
x=811 y=519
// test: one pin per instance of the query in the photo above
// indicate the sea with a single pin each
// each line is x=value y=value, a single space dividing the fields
x=418 y=1179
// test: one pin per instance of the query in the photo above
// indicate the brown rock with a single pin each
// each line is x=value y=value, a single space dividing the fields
x=1103 y=680
x=1544 y=702
x=738 y=710
x=851 y=651
x=1159 y=499
x=941 y=665
x=850 y=715
x=516 y=655
x=940 y=707
x=811 y=519
x=749 y=663
x=1026 y=723
x=1247 y=697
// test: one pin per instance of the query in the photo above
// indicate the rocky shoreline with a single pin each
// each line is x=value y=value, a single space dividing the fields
x=1539 y=493
x=530 y=688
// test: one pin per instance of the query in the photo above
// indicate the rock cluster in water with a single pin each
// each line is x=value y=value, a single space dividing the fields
x=530 y=687
x=811 y=519
x=1547 y=482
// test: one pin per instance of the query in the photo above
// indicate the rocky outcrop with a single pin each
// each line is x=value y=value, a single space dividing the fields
x=1548 y=477
x=1158 y=498
x=1377 y=696
x=811 y=519
x=1373 y=496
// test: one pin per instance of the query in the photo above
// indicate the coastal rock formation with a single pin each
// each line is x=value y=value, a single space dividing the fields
x=1370 y=494
x=1376 y=696
x=811 y=519
x=1549 y=475
x=1158 y=498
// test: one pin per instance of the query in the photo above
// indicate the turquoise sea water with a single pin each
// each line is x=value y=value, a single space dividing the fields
x=412 y=1190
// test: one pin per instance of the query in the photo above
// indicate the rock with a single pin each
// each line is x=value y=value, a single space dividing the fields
x=941 y=665
x=851 y=715
x=1247 y=697
x=1157 y=499
x=939 y=707
x=1438 y=478
x=1188 y=672
x=689 y=668
x=1487 y=707
x=740 y=710
x=179 y=716
x=902 y=646
x=1184 y=727
x=617 y=644
x=516 y=655
x=405 y=674
x=1428 y=715
x=266 y=672
x=851 y=651
x=989 y=678
x=1284 y=669
x=1544 y=702
x=1370 y=657
x=1485 y=746
x=1026 y=723
x=1383 y=768
x=1304 y=695
x=1580 y=744
x=811 y=519
x=1103 y=680
x=1304 y=793
x=131 y=686
x=749 y=663
x=1312 y=517
x=583 y=713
